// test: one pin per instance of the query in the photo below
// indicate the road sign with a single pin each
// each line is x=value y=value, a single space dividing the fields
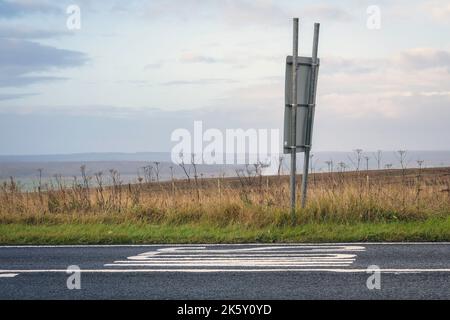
x=300 y=101
x=304 y=82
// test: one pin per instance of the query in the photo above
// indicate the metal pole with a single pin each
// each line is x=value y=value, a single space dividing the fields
x=305 y=176
x=294 y=118
x=311 y=106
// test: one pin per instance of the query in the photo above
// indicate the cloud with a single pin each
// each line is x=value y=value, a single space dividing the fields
x=360 y=88
x=328 y=12
x=243 y=12
x=387 y=88
x=138 y=83
x=238 y=12
x=411 y=60
x=11 y=9
x=198 y=82
x=422 y=58
x=172 y=9
x=345 y=65
x=26 y=33
x=20 y=58
x=11 y=96
x=438 y=10
x=155 y=65
x=193 y=58
x=233 y=12
x=103 y=111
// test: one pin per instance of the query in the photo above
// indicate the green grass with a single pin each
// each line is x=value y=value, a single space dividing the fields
x=432 y=229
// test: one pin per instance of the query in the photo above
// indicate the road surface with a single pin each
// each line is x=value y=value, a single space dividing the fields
x=246 y=271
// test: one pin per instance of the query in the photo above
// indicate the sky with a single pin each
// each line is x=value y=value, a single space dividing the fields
x=137 y=70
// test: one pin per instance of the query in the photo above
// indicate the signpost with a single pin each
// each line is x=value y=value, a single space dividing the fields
x=300 y=98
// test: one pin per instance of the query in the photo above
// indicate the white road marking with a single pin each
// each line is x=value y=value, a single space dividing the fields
x=152 y=256
x=264 y=257
x=231 y=259
x=240 y=264
x=8 y=275
x=297 y=248
x=336 y=270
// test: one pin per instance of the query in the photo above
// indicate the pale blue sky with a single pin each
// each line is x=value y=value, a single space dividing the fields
x=137 y=70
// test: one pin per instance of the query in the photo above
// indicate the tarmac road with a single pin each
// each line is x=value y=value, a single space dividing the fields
x=245 y=271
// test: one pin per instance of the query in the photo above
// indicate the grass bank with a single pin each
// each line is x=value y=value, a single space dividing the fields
x=431 y=229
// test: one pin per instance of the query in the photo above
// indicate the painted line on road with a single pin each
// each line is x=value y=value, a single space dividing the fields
x=211 y=260
x=254 y=256
x=238 y=255
x=257 y=249
x=8 y=275
x=230 y=265
x=388 y=270
x=233 y=261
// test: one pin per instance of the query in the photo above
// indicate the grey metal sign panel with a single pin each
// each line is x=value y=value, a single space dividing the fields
x=304 y=71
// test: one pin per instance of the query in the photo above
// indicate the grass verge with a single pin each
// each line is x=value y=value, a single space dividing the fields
x=431 y=229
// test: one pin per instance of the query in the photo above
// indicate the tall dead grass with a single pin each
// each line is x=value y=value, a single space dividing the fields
x=249 y=200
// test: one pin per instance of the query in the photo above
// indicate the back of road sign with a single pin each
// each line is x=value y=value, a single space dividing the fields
x=304 y=72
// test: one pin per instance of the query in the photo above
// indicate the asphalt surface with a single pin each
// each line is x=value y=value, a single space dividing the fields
x=250 y=271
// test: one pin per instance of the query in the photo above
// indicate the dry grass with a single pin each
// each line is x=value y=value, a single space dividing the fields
x=250 y=200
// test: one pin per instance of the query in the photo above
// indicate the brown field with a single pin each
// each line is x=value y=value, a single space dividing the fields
x=248 y=200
